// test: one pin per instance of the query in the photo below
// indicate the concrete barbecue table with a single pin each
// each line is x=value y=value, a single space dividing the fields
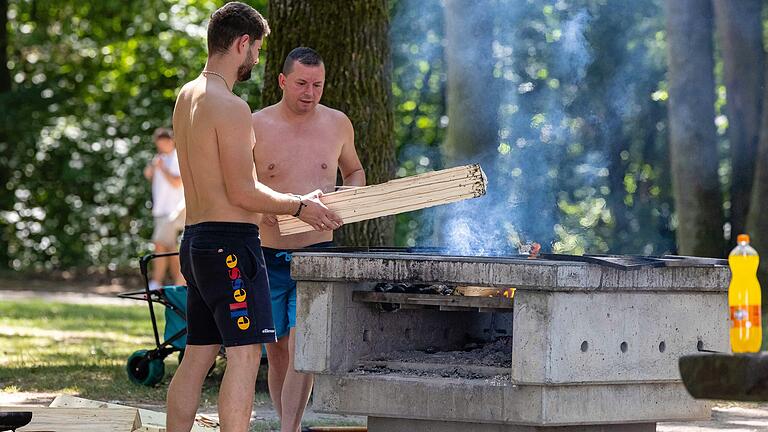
x=592 y=347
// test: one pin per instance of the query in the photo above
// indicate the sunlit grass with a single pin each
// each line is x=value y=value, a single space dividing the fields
x=81 y=350
x=78 y=349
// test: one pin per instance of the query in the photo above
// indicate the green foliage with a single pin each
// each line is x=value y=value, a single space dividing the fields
x=91 y=81
x=581 y=161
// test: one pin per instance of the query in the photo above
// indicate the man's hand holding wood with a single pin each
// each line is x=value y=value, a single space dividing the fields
x=316 y=214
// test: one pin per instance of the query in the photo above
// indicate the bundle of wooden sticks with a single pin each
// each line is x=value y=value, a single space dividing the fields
x=398 y=196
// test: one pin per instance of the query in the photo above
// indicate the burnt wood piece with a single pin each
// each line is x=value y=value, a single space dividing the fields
x=440 y=301
x=736 y=377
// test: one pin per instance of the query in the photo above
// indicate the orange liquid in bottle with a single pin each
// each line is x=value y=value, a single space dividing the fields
x=744 y=300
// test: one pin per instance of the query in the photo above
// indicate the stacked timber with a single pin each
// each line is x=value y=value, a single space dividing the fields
x=398 y=196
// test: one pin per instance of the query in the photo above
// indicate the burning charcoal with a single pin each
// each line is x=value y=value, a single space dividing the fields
x=411 y=287
x=390 y=287
x=531 y=249
x=535 y=249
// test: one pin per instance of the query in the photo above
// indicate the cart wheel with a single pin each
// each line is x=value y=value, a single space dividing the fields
x=145 y=371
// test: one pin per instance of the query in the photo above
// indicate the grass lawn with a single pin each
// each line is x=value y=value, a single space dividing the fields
x=79 y=349
x=82 y=350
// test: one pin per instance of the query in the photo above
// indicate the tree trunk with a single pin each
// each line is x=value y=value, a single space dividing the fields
x=757 y=221
x=353 y=39
x=740 y=32
x=6 y=197
x=692 y=130
x=473 y=98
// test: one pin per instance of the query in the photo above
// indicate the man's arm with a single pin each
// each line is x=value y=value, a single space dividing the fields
x=149 y=171
x=174 y=178
x=349 y=163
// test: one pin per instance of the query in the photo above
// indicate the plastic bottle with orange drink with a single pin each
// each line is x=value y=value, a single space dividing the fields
x=744 y=298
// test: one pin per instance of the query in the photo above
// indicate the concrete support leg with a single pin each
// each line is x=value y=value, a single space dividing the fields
x=385 y=424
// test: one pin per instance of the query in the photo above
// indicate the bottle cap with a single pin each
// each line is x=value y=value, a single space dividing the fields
x=742 y=238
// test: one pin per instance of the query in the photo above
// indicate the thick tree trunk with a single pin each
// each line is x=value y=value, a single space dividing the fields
x=740 y=32
x=353 y=39
x=692 y=130
x=473 y=98
x=757 y=221
x=6 y=196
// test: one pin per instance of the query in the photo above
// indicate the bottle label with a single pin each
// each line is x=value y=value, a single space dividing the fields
x=745 y=316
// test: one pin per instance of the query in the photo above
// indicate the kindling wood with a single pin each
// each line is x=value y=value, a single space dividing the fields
x=484 y=291
x=398 y=196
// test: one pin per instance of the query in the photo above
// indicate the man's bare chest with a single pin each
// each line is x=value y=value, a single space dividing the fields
x=280 y=157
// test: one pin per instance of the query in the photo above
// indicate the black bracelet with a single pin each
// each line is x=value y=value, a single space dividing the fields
x=301 y=206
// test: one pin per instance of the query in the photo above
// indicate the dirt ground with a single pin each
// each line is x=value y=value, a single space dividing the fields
x=726 y=416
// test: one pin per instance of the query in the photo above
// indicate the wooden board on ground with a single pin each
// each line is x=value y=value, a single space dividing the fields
x=79 y=419
x=149 y=421
x=398 y=196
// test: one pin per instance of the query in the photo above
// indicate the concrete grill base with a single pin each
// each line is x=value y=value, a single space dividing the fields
x=462 y=401
x=406 y=425
x=594 y=348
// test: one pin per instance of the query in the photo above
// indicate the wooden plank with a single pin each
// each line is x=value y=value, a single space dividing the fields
x=431 y=180
x=146 y=418
x=398 y=196
x=721 y=376
x=79 y=419
x=357 y=211
x=433 y=299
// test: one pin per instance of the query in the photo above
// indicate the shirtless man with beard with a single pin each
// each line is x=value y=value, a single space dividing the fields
x=228 y=300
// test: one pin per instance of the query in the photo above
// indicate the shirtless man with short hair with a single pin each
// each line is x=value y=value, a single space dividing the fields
x=300 y=145
x=228 y=299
